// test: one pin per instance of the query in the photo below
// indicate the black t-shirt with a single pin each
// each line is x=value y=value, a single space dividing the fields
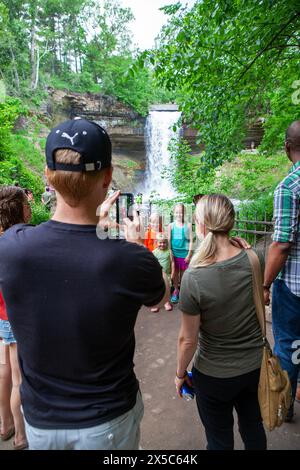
x=72 y=300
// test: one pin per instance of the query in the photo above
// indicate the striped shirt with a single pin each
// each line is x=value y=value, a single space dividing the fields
x=287 y=226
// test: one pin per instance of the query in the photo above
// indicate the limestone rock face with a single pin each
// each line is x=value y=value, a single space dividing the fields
x=126 y=129
x=124 y=125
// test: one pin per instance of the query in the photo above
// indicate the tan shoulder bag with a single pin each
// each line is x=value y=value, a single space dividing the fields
x=274 y=389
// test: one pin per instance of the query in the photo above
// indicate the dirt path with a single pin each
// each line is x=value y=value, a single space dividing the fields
x=170 y=423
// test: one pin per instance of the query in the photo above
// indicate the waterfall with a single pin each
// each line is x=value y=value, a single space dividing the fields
x=158 y=133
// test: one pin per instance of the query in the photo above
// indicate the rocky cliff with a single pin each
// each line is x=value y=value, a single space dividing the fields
x=126 y=129
x=124 y=125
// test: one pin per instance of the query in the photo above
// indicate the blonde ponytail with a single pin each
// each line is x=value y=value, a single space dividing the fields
x=205 y=252
x=216 y=212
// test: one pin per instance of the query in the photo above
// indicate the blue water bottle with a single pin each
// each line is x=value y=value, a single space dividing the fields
x=188 y=392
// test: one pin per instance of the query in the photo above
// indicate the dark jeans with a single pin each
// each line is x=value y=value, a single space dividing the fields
x=286 y=330
x=216 y=399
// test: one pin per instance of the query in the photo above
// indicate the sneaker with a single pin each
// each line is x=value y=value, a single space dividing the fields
x=290 y=414
x=154 y=309
x=174 y=298
x=168 y=307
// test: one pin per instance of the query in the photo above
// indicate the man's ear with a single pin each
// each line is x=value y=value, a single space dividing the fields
x=287 y=147
x=107 y=177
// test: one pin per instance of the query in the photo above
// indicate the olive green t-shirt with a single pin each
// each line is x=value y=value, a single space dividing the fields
x=230 y=339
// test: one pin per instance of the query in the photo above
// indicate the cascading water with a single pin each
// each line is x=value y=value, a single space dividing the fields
x=159 y=131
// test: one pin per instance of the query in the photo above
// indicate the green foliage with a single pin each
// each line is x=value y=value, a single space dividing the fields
x=12 y=168
x=45 y=43
x=10 y=109
x=188 y=174
x=249 y=216
x=27 y=151
x=230 y=62
x=284 y=107
x=251 y=175
x=132 y=85
x=2 y=91
x=131 y=164
x=77 y=82
x=39 y=214
x=260 y=209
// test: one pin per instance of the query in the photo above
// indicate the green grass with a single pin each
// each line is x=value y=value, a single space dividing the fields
x=131 y=164
x=29 y=151
x=250 y=175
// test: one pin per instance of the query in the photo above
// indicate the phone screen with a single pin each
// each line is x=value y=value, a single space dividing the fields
x=124 y=207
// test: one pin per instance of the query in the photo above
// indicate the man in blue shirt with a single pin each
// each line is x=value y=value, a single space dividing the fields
x=72 y=300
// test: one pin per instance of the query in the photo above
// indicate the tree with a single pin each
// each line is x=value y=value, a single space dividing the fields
x=111 y=37
x=11 y=37
x=224 y=59
x=82 y=45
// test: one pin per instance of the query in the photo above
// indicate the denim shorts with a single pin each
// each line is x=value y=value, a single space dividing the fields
x=6 y=333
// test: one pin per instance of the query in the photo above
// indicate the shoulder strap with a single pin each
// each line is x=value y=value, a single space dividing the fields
x=258 y=289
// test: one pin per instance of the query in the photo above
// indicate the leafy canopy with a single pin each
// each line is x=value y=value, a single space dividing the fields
x=229 y=62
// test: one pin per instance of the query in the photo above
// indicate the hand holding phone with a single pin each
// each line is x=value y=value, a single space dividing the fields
x=124 y=207
x=107 y=205
x=132 y=229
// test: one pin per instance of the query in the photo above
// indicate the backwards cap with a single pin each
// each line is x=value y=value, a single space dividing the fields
x=87 y=138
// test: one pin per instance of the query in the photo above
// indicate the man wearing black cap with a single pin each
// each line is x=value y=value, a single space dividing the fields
x=72 y=301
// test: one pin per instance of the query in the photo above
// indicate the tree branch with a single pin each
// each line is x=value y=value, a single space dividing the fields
x=283 y=46
x=247 y=68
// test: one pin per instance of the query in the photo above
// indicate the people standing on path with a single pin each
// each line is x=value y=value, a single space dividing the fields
x=152 y=231
x=283 y=264
x=180 y=238
x=220 y=326
x=72 y=298
x=138 y=201
x=48 y=199
x=163 y=255
x=14 y=209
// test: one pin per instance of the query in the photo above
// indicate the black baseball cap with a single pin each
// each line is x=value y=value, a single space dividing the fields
x=87 y=138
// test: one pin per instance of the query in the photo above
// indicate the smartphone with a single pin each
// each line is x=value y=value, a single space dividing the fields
x=124 y=207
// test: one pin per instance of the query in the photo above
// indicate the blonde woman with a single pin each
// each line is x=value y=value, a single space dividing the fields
x=219 y=324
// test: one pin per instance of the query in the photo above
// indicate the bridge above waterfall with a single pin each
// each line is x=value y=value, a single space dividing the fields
x=164 y=107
